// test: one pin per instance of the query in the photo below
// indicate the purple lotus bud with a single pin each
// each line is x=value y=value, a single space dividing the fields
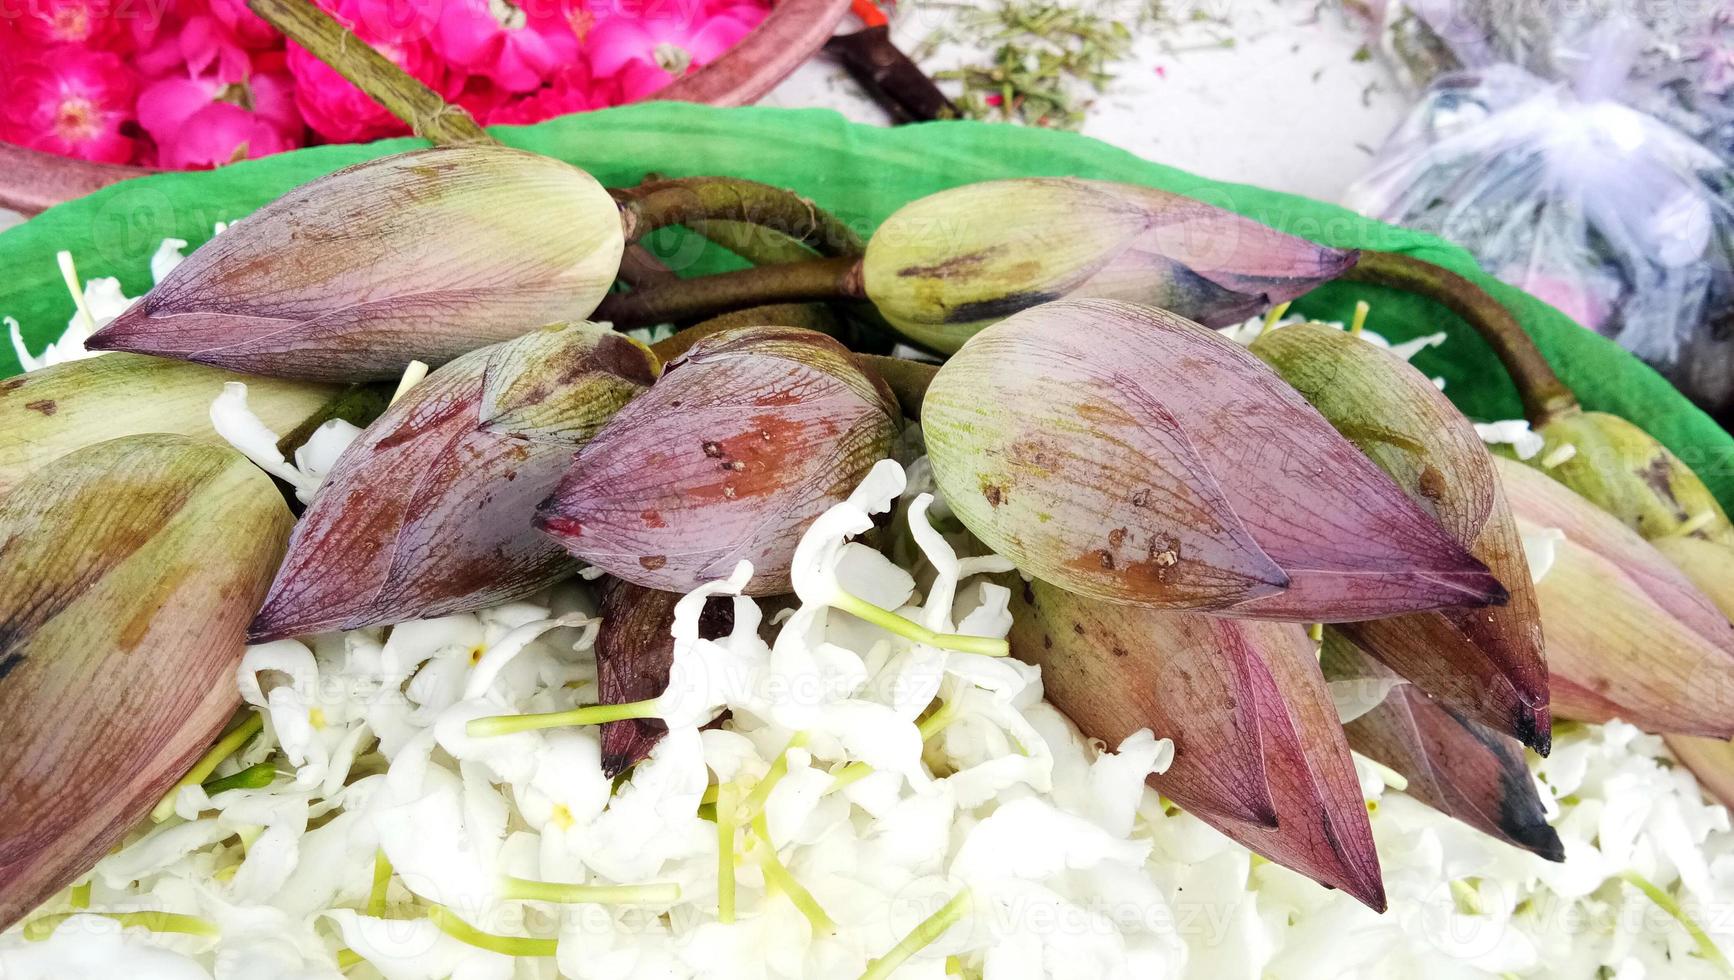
x=1131 y=455
x=1453 y=764
x=127 y=572
x=1485 y=662
x=1258 y=751
x=745 y=439
x=946 y=266
x=423 y=255
x=429 y=511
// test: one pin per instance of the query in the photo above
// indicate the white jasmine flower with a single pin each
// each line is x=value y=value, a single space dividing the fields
x=1511 y=432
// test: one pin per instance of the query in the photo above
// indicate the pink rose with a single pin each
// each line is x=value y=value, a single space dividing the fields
x=518 y=44
x=168 y=107
x=337 y=110
x=73 y=101
x=572 y=90
x=644 y=47
x=218 y=134
x=86 y=22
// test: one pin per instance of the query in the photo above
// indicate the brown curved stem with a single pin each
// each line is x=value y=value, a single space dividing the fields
x=382 y=80
x=908 y=379
x=679 y=201
x=702 y=296
x=808 y=316
x=1544 y=395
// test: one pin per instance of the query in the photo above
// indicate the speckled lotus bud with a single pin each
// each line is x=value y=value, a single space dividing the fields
x=1258 y=751
x=1453 y=763
x=945 y=266
x=419 y=256
x=52 y=411
x=1628 y=635
x=1128 y=454
x=429 y=511
x=1623 y=470
x=127 y=572
x=1485 y=662
x=746 y=438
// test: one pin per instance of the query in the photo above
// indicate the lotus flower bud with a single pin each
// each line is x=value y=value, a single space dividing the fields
x=1484 y=662
x=1628 y=635
x=1623 y=470
x=1258 y=752
x=1128 y=454
x=1710 y=566
x=52 y=411
x=419 y=256
x=127 y=572
x=945 y=266
x=744 y=441
x=428 y=512
x=1453 y=764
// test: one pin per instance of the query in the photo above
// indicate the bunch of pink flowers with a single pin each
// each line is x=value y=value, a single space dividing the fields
x=184 y=84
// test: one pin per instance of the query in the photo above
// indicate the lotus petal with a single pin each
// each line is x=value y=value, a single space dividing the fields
x=127 y=572
x=420 y=256
x=942 y=268
x=1160 y=464
x=634 y=654
x=54 y=410
x=1628 y=635
x=745 y=440
x=1114 y=669
x=1453 y=764
x=429 y=511
x=1486 y=662
x=1259 y=753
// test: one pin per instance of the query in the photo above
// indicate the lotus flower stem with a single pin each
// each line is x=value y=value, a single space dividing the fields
x=376 y=895
x=376 y=75
x=252 y=777
x=661 y=893
x=660 y=203
x=820 y=279
x=37 y=930
x=1706 y=946
x=920 y=937
x=226 y=746
x=727 y=797
x=469 y=935
x=756 y=244
x=591 y=714
x=885 y=619
x=1544 y=395
x=780 y=876
x=908 y=379
x=808 y=316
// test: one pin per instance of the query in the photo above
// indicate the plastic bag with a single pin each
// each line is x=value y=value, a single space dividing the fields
x=1613 y=216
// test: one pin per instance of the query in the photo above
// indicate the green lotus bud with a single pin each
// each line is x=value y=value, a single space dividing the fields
x=128 y=571
x=52 y=411
x=1485 y=662
x=1623 y=470
x=945 y=266
x=419 y=256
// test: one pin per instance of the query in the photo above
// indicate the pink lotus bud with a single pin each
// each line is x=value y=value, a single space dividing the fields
x=745 y=439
